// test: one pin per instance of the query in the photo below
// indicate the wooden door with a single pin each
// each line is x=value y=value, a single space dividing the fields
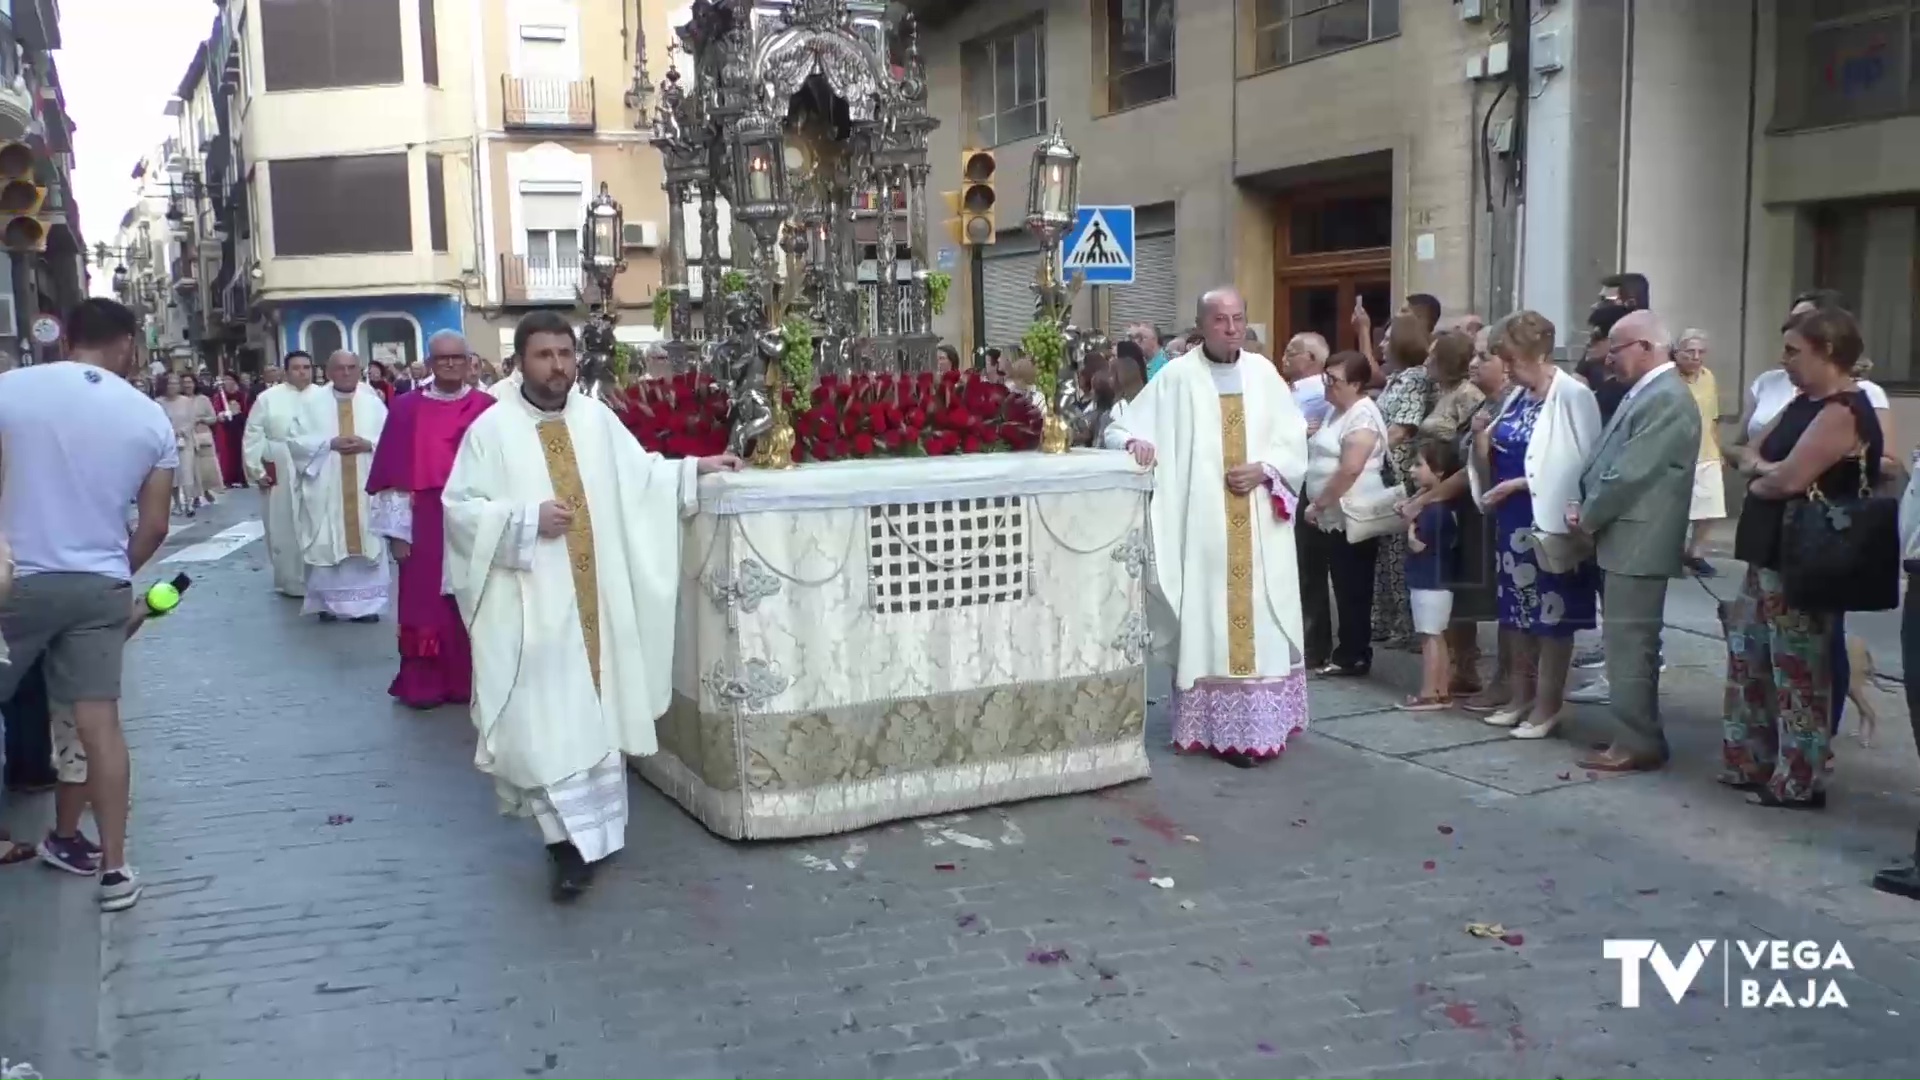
x=1332 y=246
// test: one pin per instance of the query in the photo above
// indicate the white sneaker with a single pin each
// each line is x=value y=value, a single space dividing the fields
x=1536 y=728
x=1597 y=692
x=1507 y=717
x=120 y=889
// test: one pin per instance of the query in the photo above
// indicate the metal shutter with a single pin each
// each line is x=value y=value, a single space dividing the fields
x=1008 y=295
x=1154 y=296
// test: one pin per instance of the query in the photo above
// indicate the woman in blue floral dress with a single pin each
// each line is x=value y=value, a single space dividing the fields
x=1540 y=611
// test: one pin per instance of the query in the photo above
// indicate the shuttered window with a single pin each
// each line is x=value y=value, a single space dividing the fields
x=437 y=201
x=1154 y=295
x=341 y=206
x=1008 y=294
x=316 y=44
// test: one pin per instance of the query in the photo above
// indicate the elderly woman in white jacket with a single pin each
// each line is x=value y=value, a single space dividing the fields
x=1525 y=471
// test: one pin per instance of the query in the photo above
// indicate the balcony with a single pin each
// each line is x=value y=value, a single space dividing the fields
x=547 y=104
x=525 y=282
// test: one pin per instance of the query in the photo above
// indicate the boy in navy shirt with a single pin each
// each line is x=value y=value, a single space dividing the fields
x=1433 y=544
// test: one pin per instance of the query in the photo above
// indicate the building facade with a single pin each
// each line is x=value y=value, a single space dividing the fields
x=45 y=268
x=558 y=116
x=1317 y=160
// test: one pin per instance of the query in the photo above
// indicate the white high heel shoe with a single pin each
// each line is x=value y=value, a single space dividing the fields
x=1537 y=729
x=1508 y=717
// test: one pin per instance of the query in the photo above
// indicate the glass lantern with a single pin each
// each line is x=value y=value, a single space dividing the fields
x=603 y=235
x=1053 y=185
x=759 y=168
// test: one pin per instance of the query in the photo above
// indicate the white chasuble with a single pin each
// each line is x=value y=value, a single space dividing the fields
x=572 y=635
x=1225 y=567
x=265 y=453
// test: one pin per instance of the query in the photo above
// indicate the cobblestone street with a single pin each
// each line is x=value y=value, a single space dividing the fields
x=331 y=893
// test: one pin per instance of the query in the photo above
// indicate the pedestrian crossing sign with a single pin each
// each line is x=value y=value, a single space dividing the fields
x=1100 y=245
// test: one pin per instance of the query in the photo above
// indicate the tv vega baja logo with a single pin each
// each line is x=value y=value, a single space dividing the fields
x=1774 y=975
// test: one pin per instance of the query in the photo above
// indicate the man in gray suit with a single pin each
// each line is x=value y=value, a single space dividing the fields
x=1635 y=494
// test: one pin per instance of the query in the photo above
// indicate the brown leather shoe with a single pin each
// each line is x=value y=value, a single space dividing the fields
x=1615 y=759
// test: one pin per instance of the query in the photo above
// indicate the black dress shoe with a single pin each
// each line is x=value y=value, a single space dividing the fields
x=1901 y=880
x=571 y=873
x=1237 y=759
x=368 y=619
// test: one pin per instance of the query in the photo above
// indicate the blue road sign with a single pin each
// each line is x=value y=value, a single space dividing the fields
x=1100 y=245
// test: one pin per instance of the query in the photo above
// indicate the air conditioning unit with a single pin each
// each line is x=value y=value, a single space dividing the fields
x=643 y=235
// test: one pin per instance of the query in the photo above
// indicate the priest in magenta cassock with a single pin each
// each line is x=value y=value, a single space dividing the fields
x=1229 y=452
x=563 y=550
x=410 y=467
x=268 y=462
x=332 y=440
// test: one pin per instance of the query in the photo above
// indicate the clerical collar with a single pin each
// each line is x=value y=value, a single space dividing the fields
x=438 y=394
x=1204 y=351
x=343 y=394
x=544 y=414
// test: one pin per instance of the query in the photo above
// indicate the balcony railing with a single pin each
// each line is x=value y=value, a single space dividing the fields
x=548 y=104
x=525 y=282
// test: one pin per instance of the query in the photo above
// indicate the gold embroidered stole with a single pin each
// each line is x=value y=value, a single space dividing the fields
x=349 y=481
x=1233 y=441
x=564 y=470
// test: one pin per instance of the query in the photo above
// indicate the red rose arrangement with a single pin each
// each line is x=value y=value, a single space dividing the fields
x=849 y=416
x=913 y=415
x=685 y=416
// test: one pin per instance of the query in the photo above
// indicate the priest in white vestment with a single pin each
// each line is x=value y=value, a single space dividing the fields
x=268 y=462
x=334 y=435
x=563 y=551
x=1229 y=452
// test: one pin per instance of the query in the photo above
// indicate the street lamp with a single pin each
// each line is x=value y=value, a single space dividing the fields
x=1053 y=185
x=604 y=240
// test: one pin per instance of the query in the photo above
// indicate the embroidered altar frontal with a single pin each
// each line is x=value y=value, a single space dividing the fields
x=866 y=641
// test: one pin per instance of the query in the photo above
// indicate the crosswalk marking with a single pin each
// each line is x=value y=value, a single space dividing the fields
x=220 y=545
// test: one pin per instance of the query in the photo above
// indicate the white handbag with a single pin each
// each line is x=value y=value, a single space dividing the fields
x=1370 y=508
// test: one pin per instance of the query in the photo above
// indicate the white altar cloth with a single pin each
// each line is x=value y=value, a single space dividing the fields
x=865 y=641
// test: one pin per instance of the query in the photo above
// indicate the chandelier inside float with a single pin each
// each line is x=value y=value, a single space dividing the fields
x=809 y=117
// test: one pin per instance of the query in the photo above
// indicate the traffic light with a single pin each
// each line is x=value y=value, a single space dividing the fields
x=977 y=225
x=20 y=199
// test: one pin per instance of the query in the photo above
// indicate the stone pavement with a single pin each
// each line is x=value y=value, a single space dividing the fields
x=330 y=893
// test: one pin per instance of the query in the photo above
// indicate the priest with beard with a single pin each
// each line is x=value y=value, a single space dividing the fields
x=268 y=461
x=332 y=443
x=410 y=467
x=1228 y=448
x=563 y=551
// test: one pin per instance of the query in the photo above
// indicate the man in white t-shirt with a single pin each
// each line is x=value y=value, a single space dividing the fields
x=77 y=444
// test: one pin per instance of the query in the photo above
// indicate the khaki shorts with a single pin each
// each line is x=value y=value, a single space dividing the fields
x=78 y=622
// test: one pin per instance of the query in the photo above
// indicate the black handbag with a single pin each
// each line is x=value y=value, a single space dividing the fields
x=1842 y=554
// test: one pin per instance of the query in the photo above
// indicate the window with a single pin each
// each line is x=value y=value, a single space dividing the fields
x=1292 y=31
x=341 y=206
x=1004 y=83
x=429 y=49
x=323 y=337
x=556 y=248
x=393 y=340
x=1870 y=251
x=1848 y=60
x=437 y=201
x=1139 y=52
x=316 y=44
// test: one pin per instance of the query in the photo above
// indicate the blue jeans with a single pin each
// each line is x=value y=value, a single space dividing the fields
x=1842 y=671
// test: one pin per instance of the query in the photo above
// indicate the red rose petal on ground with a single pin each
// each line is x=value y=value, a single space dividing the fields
x=1428 y=865
x=1563 y=776
x=944 y=866
x=1119 y=841
x=1317 y=940
x=1514 y=938
x=1446 y=830
x=1299 y=822
x=1647 y=892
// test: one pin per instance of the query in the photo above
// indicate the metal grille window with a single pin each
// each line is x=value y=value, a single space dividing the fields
x=341 y=206
x=1140 y=35
x=938 y=555
x=316 y=44
x=1847 y=61
x=1292 y=31
x=1004 y=82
